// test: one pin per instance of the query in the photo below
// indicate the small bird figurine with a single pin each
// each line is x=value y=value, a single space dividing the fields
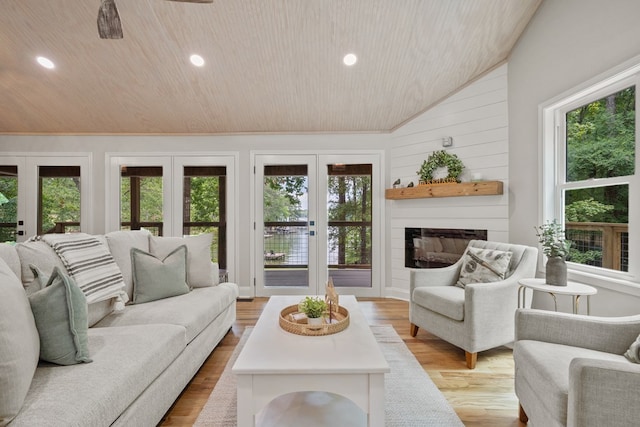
x=410 y=184
x=396 y=184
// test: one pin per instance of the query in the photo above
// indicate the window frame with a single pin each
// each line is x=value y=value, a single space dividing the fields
x=553 y=184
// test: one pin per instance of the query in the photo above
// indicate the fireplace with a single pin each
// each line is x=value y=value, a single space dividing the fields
x=437 y=247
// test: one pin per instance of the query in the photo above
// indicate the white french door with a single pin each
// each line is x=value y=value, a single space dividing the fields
x=44 y=194
x=317 y=217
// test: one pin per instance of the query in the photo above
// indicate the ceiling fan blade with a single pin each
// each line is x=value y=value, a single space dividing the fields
x=109 y=25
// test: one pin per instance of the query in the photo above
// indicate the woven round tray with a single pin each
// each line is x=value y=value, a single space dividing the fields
x=340 y=323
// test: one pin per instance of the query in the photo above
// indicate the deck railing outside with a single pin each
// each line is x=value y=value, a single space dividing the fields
x=610 y=240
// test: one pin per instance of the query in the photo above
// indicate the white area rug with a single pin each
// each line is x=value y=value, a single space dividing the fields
x=411 y=398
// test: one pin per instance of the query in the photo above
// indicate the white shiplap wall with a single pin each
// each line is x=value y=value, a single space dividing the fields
x=477 y=119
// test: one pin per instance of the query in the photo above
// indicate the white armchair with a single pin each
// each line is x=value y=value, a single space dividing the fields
x=570 y=369
x=478 y=317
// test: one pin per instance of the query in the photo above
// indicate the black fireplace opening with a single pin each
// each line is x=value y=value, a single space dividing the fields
x=437 y=247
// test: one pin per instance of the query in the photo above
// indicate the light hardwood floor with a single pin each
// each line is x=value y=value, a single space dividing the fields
x=481 y=397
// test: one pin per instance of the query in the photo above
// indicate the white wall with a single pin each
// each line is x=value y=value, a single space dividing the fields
x=477 y=119
x=243 y=145
x=567 y=43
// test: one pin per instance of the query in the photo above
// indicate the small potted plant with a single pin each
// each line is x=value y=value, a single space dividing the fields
x=314 y=308
x=556 y=248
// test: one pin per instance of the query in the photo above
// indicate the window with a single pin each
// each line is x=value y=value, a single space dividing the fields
x=141 y=198
x=58 y=199
x=593 y=163
x=204 y=207
x=172 y=195
x=8 y=203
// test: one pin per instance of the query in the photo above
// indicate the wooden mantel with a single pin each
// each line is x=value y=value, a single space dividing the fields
x=480 y=188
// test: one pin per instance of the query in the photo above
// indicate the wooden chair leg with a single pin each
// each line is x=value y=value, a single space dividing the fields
x=413 y=330
x=472 y=358
x=522 y=415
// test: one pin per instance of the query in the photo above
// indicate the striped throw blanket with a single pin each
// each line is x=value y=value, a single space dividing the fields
x=91 y=265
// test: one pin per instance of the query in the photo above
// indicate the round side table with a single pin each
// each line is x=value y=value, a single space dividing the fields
x=576 y=290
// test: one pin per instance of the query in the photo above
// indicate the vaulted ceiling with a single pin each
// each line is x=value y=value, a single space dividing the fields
x=271 y=66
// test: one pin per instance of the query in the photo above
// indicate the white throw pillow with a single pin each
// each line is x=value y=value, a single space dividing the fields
x=19 y=344
x=200 y=272
x=483 y=266
x=120 y=245
x=41 y=255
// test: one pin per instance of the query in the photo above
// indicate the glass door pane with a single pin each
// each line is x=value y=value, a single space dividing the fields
x=141 y=198
x=58 y=199
x=349 y=213
x=286 y=226
x=8 y=203
x=203 y=208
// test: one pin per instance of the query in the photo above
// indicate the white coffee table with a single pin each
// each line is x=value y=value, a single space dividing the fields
x=275 y=362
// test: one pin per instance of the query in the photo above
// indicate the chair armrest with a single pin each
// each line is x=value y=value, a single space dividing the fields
x=609 y=334
x=490 y=305
x=446 y=276
x=603 y=393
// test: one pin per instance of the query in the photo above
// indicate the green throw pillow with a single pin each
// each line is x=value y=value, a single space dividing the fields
x=154 y=279
x=60 y=312
x=483 y=266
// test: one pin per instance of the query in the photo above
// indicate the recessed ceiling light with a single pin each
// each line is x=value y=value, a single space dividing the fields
x=45 y=62
x=197 y=60
x=350 y=59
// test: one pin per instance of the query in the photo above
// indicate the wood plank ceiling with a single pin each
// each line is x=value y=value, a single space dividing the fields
x=272 y=66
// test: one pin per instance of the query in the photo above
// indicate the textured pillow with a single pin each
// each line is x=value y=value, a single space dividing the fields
x=483 y=265
x=60 y=312
x=155 y=279
x=19 y=344
x=199 y=267
x=633 y=354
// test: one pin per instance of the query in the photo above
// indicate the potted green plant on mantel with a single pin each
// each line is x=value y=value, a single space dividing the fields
x=314 y=308
x=554 y=245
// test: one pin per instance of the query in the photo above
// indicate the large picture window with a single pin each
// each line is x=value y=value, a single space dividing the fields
x=594 y=164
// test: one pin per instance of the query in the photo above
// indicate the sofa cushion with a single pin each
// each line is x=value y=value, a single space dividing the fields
x=125 y=362
x=483 y=266
x=120 y=245
x=60 y=312
x=445 y=300
x=194 y=310
x=9 y=255
x=199 y=267
x=41 y=255
x=154 y=278
x=19 y=344
x=551 y=364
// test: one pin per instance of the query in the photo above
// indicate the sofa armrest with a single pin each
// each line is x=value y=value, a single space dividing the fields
x=446 y=276
x=608 y=334
x=603 y=393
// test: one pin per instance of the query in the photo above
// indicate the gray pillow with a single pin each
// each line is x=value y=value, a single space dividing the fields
x=60 y=312
x=19 y=344
x=483 y=266
x=154 y=279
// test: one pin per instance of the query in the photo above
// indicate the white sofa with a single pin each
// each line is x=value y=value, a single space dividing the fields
x=143 y=356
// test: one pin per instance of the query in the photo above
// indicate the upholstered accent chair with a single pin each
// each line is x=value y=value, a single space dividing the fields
x=479 y=316
x=570 y=370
